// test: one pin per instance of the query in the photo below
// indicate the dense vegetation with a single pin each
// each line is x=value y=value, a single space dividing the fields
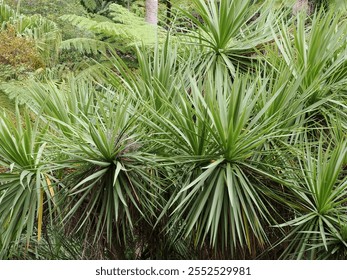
x=218 y=134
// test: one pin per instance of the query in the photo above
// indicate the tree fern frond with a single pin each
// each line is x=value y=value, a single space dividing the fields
x=79 y=21
x=15 y=91
x=127 y=30
x=111 y=29
x=122 y=15
x=85 y=45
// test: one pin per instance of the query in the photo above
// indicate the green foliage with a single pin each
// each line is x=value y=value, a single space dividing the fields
x=25 y=189
x=124 y=32
x=44 y=33
x=319 y=195
x=96 y=6
x=45 y=8
x=6 y=13
x=116 y=183
x=230 y=33
x=52 y=10
x=224 y=175
x=318 y=66
x=226 y=142
x=5 y=103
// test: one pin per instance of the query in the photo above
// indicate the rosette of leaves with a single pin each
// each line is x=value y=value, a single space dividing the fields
x=109 y=179
x=27 y=186
x=317 y=195
x=230 y=33
x=216 y=138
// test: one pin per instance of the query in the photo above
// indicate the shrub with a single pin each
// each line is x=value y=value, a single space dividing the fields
x=18 y=51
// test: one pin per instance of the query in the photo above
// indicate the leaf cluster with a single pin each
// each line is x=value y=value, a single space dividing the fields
x=230 y=143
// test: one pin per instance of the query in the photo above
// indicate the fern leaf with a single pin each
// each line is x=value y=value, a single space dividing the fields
x=122 y=15
x=85 y=45
x=79 y=21
x=125 y=32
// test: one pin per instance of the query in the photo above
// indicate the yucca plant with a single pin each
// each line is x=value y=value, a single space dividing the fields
x=215 y=136
x=64 y=101
x=318 y=189
x=27 y=185
x=230 y=32
x=318 y=68
x=314 y=53
x=203 y=151
x=206 y=123
x=109 y=178
x=162 y=71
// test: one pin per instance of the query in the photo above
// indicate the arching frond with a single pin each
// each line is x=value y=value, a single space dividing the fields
x=126 y=30
x=85 y=45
